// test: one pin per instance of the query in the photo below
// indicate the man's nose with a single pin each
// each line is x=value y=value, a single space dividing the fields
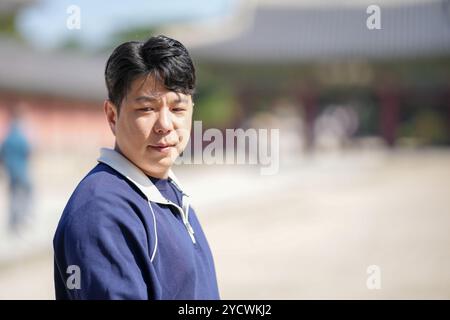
x=164 y=122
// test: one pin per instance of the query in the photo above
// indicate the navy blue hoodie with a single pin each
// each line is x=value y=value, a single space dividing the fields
x=119 y=238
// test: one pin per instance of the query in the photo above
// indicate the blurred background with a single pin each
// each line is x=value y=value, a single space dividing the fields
x=364 y=120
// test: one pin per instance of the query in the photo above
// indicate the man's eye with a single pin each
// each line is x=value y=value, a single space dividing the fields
x=146 y=109
x=178 y=109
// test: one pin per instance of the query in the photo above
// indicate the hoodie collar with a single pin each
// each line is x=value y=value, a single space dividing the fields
x=125 y=167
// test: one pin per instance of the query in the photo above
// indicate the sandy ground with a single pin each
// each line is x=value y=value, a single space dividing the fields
x=310 y=231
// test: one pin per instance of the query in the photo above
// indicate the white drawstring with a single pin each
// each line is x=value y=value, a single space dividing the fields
x=156 y=233
x=185 y=204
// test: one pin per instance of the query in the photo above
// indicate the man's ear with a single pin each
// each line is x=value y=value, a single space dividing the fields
x=111 y=114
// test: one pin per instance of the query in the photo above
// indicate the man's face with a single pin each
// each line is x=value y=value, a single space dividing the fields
x=153 y=125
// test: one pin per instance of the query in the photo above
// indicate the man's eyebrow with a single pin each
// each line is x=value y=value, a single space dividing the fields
x=178 y=99
x=147 y=99
x=181 y=99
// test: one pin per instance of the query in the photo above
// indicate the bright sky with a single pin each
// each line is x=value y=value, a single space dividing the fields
x=44 y=24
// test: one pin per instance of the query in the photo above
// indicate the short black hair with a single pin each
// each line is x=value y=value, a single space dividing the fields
x=165 y=58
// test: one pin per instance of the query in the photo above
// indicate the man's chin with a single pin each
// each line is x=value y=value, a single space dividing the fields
x=158 y=169
x=160 y=160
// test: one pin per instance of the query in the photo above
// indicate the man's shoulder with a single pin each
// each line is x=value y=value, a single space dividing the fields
x=103 y=186
x=102 y=181
x=102 y=197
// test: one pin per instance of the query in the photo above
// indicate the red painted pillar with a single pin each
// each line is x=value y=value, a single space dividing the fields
x=390 y=100
x=448 y=111
x=308 y=101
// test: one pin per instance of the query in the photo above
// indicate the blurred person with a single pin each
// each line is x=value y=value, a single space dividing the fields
x=15 y=155
x=335 y=127
x=127 y=231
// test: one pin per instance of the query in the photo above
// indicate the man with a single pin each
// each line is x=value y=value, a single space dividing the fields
x=128 y=231
x=15 y=155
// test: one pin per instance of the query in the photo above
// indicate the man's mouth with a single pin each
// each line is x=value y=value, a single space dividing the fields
x=162 y=147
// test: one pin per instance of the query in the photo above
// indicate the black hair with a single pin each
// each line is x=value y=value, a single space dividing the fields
x=165 y=58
